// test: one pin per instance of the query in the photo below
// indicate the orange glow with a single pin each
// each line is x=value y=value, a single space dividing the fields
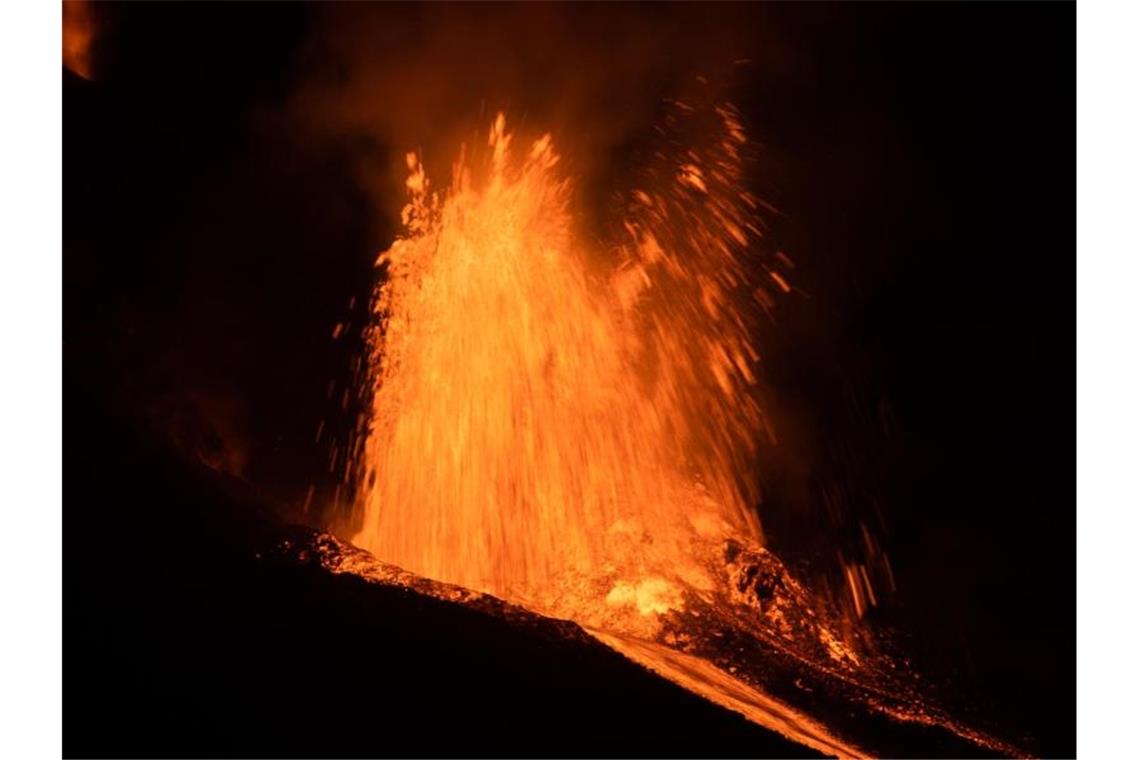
x=569 y=420
x=78 y=34
x=558 y=421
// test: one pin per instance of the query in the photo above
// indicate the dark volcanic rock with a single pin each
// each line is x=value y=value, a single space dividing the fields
x=186 y=634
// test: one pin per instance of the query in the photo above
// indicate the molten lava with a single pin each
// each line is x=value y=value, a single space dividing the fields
x=556 y=420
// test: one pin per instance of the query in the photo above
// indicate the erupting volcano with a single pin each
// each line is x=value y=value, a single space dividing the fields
x=568 y=421
x=535 y=379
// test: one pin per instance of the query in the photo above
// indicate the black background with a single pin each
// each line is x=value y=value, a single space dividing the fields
x=922 y=157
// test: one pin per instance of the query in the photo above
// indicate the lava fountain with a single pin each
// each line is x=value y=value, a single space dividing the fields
x=569 y=421
x=551 y=415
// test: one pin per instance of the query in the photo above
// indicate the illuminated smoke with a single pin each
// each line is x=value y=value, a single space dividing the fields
x=78 y=36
